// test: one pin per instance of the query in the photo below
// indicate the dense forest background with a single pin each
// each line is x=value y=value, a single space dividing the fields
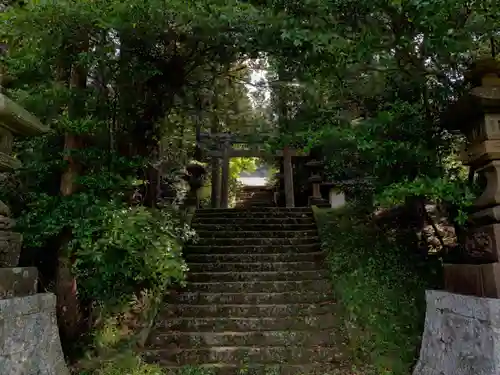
x=124 y=85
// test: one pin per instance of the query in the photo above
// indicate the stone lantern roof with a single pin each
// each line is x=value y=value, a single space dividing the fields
x=484 y=97
x=15 y=120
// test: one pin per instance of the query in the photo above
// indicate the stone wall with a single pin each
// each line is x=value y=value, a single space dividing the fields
x=29 y=337
x=461 y=336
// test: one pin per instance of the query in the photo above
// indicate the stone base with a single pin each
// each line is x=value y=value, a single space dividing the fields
x=18 y=282
x=481 y=280
x=461 y=336
x=29 y=337
x=319 y=202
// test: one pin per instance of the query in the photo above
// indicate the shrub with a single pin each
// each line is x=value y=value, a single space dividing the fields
x=135 y=249
x=380 y=285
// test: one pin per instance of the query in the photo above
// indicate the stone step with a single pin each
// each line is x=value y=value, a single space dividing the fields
x=255 y=258
x=247 y=298
x=257 y=198
x=206 y=277
x=253 y=204
x=256 y=193
x=253 y=221
x=245 y=311
x=256 y=215
x=221 y=211
x=238 y=234
x=268 y=199
x=254 y=267
x=261 y=212
x=252 y=249
x=310 y=286
x=240 y=355
x=197 y=340
x=261 y=369
x=223 y=324
x=260 y=241
x=244 y=226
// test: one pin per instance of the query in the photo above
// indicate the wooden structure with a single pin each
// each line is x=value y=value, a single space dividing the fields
x=221 y=146
x=477 y=114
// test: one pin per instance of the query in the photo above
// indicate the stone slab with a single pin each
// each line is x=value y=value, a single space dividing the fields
x=29 y=337
x=461 y=336
x=480 y=280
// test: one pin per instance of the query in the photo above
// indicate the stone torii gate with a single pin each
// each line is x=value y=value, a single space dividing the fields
x=225 y=151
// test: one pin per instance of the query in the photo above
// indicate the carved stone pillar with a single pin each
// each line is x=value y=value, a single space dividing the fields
x=477 y=270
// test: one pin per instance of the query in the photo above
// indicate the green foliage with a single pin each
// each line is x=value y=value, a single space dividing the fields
x=131 y=364
x=370 y=79
x=126 y=363
x=191 y=370
x=372 y=103
x=381 y=288
x=456 y=193
x=135 y=248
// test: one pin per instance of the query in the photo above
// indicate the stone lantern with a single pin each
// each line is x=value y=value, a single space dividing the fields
x=315 y=167
x=14 y=120
x=477 y=115
x=461 y=334
x=195 y=177
x=29 y=337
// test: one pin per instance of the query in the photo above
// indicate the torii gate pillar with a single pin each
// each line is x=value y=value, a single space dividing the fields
x=288 y=177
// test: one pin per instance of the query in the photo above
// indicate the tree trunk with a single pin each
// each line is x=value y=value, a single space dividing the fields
x=68 y=304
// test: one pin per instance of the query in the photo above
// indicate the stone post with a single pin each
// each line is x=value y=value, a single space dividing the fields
x=477 y=271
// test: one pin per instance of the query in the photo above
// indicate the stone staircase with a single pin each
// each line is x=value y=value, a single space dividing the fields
x=257 y=298
x=254 y=196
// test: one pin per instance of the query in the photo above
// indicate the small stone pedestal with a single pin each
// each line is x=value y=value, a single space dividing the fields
x=461 y=336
